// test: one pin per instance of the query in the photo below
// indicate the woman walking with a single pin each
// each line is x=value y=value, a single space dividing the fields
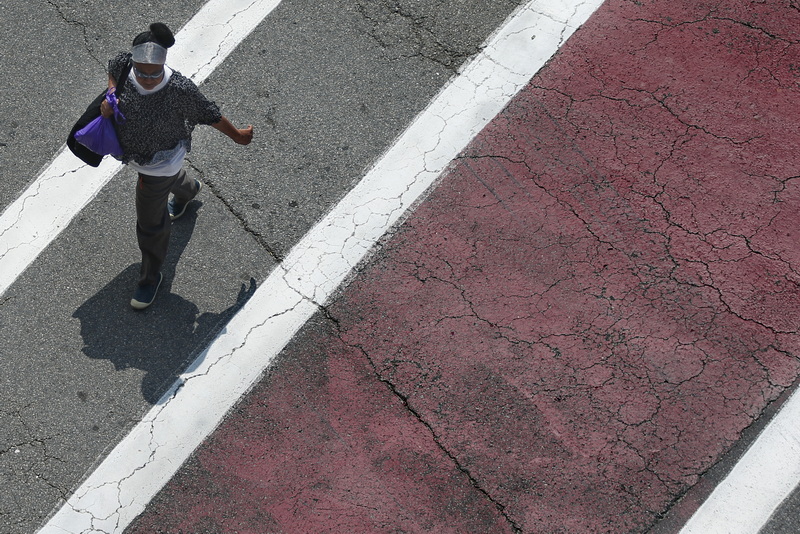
x=161 y=108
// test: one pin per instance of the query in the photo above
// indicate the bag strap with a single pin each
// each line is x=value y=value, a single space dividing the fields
x=124 y=77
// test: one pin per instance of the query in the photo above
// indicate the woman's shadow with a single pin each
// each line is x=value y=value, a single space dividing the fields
x=161 y=340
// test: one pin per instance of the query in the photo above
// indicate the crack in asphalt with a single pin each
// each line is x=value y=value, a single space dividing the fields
x=424 y=38
x=223 y=24
x=404 y=399
x=390 y=17
x=32 y=466
x=613 y=243
x=83 y=28
x=242 y=220
x=21 y=211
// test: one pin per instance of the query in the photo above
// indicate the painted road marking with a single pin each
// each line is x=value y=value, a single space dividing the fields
x=122 y=485
x=759 y=482
x=66 y=185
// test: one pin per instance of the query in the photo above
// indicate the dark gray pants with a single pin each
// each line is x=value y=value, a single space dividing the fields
x=152 y=218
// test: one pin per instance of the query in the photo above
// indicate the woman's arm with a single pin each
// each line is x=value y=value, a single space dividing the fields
x=241 y=136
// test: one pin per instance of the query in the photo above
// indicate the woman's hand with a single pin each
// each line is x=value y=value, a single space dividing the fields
x=245 y=135
x=106 y=110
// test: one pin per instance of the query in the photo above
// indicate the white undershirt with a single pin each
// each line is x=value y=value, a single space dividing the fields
x=160 y=86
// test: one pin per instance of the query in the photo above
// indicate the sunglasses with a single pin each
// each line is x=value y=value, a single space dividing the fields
x=155 y=76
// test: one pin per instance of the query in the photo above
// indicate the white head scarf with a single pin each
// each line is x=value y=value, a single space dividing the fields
x=151 y=53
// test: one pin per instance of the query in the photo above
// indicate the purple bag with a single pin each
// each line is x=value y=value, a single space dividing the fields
x=99 y=135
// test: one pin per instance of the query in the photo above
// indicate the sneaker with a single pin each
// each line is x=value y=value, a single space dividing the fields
x=178 y=207
x=146 y=294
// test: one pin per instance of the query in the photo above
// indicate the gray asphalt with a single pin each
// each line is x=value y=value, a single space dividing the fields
x=327 y=85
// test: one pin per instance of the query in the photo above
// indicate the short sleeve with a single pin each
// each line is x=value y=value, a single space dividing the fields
x=197 y=109
x=117 y=64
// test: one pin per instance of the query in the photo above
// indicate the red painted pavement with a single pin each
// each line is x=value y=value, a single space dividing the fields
x=597 y=299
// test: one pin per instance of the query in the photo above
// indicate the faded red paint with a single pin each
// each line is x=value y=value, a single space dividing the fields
x=321 y=446
x=579 y=321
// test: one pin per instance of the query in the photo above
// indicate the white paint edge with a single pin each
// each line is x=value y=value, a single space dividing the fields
x=140 y=465
x=759 y=482
x=67 y=185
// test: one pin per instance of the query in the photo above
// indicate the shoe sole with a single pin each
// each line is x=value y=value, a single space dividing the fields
x=139 y=305
x=177 y=215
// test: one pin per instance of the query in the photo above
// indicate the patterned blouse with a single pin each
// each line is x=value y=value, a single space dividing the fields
x=159 y=121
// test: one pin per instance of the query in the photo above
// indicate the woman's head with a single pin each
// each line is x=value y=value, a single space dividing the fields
x=149 y=54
